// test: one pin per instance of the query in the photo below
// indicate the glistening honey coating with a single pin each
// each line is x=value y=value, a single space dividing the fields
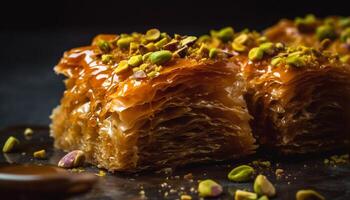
x=184 y=109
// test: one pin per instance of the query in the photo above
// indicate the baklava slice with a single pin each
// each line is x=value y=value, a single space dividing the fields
x=299 y=98
x=331 y=33
x=145 y=101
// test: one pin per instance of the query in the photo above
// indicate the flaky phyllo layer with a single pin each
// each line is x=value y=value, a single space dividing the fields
x=191 y=111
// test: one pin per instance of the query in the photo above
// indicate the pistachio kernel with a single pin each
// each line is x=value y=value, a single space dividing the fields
x=124 y=42
x=185 y=197
x=324 y=44
x=135 y=61
x=41 y=154
x=106 y=58
x=309 y=195
x=241 y=173
x=345 y=59
x=241 y=39
x=276 y=61
x=306 y=24
x=151 y=46
x=268 y=48
x=122 y=66
x=146 y=56
x=296 y=60
x=72 y=159
x=263 y=186
x=28 y=132
x=344 y=22
x=255 y=54
x=161 y=43
x=209 y=188
x=152 y=34
x=226 y=34
x=345 y=35
x=244 y=195
x=203 y=38
x=153 y=74
x=188 y=40
x=213 y=52
x=325 y=31
x=238 y=47
x=103 y=45
x=264 y=198
x=10 y=144
x=160 y=57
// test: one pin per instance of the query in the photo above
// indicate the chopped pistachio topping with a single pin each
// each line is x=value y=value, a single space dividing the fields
x=226 y=34
x=309 y=194
x=152 y=34
x=209 y=188
x=122 y=66
x=106 y=58
x=241 y=173
x=307 y=23
x=244 y=195
x=104 y=46
x=213 y=52
x=325 y=31
x=263 y=186
x=28 y=132
x=188 y=40
x=296 y=60
x=255 y=54
x=135 y=61
x=344 y=22
x=264 y=198
x=161 y=43
x=345 y=35
x=41 y=154
x=10 y=144
x=345 y=59
x=124 y=42
x=160 y=57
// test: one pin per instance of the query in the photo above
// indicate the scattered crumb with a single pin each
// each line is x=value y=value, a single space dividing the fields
x=101 y=173
x=188 y=176
x=28 y=132
x=166 y=194
x=279 y=172
x=337 y=159
x=262 y=163
x=77 y=170
x=172 y=191
x=185 y=197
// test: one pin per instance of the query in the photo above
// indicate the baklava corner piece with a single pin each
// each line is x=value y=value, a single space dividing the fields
x=145 y=101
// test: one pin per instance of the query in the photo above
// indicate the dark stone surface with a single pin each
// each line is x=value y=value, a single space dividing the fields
x=300 y=173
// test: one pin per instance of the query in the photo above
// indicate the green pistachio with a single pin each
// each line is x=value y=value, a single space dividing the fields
x=151 y=47
x=161 y=43
x=106 y=58
x=238 y=47
x=122 y=66
x=241 y=39
x=146 y=56
x=255 y=54
x=41 y=154
x=188 y=40
x=325 y=31
x=133 y=46
x=344 y=22
x=262 y=186
x=309 y=195
x=345 y=35
x=241 y=173
x=124 y=42
x=330 y=21
x=306 y=24
x=264 y=198
x=296 y=60
x=135 y=61
x=213 y=52
x=226 y=34
x=103 y=45
x=209 y=188
x=152 y=34
x=10 y=144
x=244 y=195
x=153 y=74
x=268 y=48
x=345 y=59
x=144 y=66
x=276 y=61
x=28 y=132
x=160 y=57
x=203 y=38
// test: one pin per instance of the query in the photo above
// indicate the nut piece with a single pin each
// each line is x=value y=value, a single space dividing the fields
x=160 y=57
x=41 y=154
x=72 y=159
x=309 y=195
x=263 y=186
x=263 y=198
x=255 y=54
x=10 y=144
x=244 y=195
x=152 y=34
x=209 y=188
x=185 y=197
x=28 y=132
x=241 y=173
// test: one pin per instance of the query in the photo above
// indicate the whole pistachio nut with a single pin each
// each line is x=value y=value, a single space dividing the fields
x=309 y=195
x=10 y=144
x=160 y=57
x=244 y=195
x=255 y=54
x=152 y=34
x=241 y=173
x=209 y=188
x=263 y=186
x=72 y=159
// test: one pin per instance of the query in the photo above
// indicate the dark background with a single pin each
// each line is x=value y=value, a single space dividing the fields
x=34 y=34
